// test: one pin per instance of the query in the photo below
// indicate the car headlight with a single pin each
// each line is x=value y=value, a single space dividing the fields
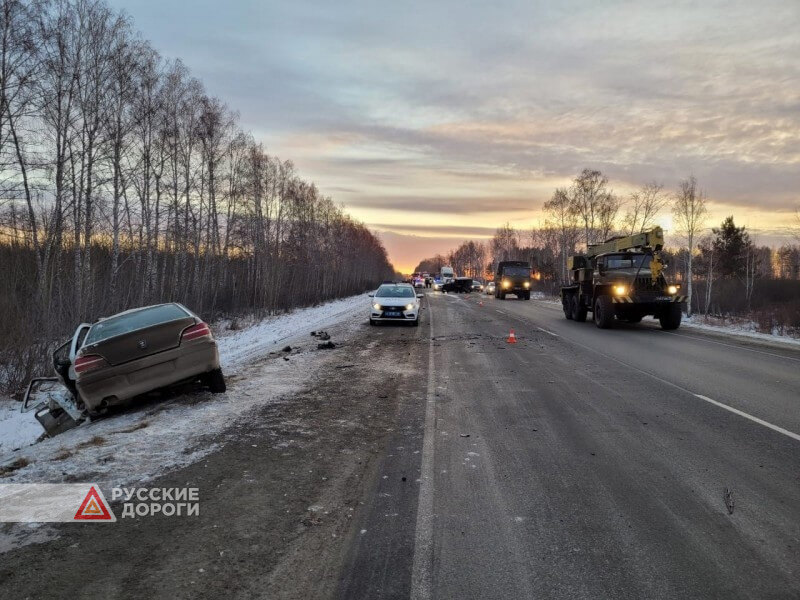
x=620 y=290
x=527 y=284
x=409 y=307
x=506 y=284
x=376 y=306
x=673 y=289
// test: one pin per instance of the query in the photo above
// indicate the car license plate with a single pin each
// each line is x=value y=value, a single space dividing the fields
x=392 y=313
x=663 y=299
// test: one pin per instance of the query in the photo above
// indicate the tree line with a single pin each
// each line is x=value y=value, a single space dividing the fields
x=723 y=269
x=124 y=183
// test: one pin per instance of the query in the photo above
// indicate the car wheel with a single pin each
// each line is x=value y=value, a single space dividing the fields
x=604 y=312
x=373 y=322
x=415 y=323
x=566 y=304
x=671 y=318
x=578 y=310
x=215 y=381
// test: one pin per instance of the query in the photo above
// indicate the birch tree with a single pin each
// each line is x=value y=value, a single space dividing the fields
x=690 y=212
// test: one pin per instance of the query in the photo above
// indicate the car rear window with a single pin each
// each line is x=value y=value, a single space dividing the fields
x=395 y=291
x=114 y=326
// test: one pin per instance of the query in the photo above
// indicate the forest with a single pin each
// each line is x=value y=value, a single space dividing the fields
x=124 y=183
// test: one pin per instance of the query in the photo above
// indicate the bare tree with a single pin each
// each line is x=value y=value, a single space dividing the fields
x=643 y=206
x=562 y=217
x=593 y=203
x=690 y=213
x=123 y=183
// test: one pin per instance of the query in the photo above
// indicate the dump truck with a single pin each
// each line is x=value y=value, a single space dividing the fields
x=622 y=278
x=513 y=277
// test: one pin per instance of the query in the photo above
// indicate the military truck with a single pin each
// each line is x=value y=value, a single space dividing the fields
x=513 y=277
x=622 y=278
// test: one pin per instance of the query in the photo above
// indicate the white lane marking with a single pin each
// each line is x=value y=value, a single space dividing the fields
x=549 y=332
x=736 y=411
x=500 y=311
x=422 y=566
x=701 y=339
x=690 y=392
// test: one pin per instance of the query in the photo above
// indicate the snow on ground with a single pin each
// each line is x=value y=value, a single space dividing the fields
x=746 y=329
x=144 y=441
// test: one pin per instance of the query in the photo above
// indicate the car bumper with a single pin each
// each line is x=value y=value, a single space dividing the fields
x=404 y=315
x=121 y=382
x=649 y=299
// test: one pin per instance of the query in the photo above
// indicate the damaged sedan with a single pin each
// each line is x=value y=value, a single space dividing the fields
x=123 y=356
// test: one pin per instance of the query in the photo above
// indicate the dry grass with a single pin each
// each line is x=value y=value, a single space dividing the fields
x=20 y=463
x=63 y=454
x=97 y=440
x=133 y=428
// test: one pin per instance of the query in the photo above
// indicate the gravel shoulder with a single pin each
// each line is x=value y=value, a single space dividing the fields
x=281 y=492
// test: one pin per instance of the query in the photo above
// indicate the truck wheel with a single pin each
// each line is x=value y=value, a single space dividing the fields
x=527 y=295
x=671 y=318
x=566 y=303
x=604 y=312
x=578 y=310
x=215 y=381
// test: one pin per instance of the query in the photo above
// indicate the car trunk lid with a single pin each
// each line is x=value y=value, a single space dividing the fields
x=142 y=342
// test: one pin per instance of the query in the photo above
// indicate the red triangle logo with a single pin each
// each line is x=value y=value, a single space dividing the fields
x=93 y=508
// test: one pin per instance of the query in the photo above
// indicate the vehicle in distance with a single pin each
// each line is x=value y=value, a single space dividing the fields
x=437 y=285
x=490 y=288
x=513 y=277
x=395 y=302
x=459 y=285
x=477 y=285
x=446 y=274
x=622 y=278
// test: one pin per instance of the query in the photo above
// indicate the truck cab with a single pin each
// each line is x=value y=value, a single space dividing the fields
x=513 y=277
x=622 y=279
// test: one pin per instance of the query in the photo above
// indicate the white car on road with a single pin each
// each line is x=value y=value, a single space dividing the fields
x=394 y=302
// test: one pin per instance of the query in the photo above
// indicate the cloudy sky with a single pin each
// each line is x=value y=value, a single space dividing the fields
x=438 y=120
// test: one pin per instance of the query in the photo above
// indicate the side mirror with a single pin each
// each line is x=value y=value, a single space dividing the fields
x=601 y=269
x=420 y=295
x=372 y=295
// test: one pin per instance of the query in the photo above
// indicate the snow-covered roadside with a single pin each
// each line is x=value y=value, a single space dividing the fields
x=143 y=442
x=744 y=329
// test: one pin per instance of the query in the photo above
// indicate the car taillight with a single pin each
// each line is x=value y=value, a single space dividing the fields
x=90 y=362
x=195 y=331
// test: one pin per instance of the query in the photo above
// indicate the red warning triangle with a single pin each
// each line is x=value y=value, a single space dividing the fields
x=93 y=508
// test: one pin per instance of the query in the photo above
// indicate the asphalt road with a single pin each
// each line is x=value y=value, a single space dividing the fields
x=442 y=462
x=585 y=463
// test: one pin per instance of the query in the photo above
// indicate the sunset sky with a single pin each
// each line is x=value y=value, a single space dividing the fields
x=437 y=121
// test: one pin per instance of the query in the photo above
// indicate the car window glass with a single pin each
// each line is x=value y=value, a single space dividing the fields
x=517 y=271
x=140 y=319
x=81 y=337
x=628 y=262
x=395 y=291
